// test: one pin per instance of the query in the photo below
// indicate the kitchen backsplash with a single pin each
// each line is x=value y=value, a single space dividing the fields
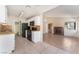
x=5 y=28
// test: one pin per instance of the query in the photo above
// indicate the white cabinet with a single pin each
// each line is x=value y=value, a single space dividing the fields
x=2 y=14
x=36 y=36
x=7 y=43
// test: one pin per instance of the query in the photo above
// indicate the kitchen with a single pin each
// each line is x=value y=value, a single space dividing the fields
x=8 y=32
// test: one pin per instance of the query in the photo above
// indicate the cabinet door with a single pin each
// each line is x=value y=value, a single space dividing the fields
x=2 y=14
x=7 y=43
x=32 y=23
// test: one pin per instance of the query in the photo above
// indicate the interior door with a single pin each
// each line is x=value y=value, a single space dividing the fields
x=50 y=28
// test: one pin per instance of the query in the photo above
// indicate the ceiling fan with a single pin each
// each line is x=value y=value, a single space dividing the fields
x=20 y=14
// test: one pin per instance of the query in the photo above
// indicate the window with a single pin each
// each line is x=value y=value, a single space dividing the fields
x=70 y=25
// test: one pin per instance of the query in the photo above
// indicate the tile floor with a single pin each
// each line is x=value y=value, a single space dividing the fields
x=70 y=44
x=23 y=46
x=53 y=44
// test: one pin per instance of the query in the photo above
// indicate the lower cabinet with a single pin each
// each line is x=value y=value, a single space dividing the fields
x=7 y=43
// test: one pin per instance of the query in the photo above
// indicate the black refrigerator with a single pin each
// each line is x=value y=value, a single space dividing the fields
x=29 y=31
x=24 y=28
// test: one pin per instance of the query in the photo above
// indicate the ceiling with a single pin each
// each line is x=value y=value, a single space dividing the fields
x=63 y=10
x=26 y=11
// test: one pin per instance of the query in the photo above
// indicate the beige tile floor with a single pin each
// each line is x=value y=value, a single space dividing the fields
x=70 y=44
x=23 y=46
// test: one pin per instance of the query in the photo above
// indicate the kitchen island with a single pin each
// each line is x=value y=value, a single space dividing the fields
x=7 y=42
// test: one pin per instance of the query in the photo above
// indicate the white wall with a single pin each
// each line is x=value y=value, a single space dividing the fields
x=45 y=26
x=48 y=20
x=2 y=14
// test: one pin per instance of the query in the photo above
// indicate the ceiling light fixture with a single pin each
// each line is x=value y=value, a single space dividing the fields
x=27 y=6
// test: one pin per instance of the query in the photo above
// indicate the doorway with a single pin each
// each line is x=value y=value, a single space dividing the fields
x=50 y=28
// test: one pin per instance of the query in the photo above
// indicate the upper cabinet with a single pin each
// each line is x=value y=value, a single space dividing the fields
x=2 y=14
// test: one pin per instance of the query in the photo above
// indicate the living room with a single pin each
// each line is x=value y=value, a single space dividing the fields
x=48 y=29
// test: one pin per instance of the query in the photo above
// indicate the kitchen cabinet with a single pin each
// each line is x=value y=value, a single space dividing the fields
x=2 y=14
x=36 y=36
x=7 y=43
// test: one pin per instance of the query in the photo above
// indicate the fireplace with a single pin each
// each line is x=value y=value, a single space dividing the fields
x=59 y=30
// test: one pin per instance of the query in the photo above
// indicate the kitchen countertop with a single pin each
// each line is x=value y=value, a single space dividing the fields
x=4 y=33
